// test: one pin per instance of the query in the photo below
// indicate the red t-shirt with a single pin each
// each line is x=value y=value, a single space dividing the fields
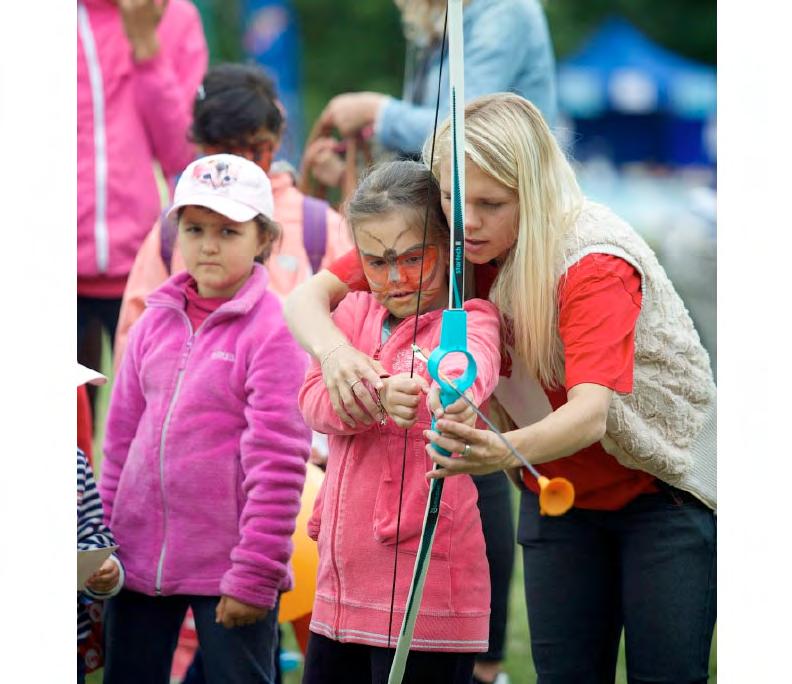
x=599 y=302
x=198 y=308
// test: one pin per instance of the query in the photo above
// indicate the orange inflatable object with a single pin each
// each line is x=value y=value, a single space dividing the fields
x=305 y=559
x=556 y=496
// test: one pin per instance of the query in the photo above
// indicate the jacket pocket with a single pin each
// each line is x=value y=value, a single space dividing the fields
x=414 y=499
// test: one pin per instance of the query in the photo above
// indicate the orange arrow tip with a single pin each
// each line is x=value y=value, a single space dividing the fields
x=556 y=496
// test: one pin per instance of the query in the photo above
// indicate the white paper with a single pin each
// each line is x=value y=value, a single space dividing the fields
x=88 y=562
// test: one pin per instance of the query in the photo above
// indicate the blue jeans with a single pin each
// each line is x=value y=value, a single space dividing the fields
x=141 y=633
x=648 y=568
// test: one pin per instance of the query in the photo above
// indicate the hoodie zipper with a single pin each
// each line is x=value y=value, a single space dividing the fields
x=181 y=369
x=100 y=137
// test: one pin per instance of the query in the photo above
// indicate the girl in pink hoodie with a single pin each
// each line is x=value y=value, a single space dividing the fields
x=205 y=448
x=353 y=629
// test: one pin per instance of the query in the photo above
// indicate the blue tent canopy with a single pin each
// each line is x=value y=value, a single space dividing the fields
x=637 y=98
x=622 y=70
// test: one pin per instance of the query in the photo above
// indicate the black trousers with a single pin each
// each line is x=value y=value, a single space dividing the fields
x=648 y=568
x=331 y=662
x=495 y=507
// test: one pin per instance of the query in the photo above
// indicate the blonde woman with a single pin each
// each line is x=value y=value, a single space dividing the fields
x=607 y=385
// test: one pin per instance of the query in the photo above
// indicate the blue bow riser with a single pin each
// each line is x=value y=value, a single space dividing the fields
x=453 y=339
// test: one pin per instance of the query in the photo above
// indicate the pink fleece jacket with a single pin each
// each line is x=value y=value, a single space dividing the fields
x=129 y=115
x=205 y=448
x=354 y=519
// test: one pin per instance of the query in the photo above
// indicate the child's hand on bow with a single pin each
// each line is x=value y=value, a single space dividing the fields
x=459 y=411
x=400 y=397
x=105 y=578
x=232 y=613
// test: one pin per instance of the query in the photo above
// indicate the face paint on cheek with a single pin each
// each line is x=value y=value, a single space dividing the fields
x=407 y=271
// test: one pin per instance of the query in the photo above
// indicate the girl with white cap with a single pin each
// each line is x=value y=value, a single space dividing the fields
x=205 y=448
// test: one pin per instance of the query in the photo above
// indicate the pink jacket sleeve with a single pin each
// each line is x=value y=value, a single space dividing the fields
x=483 y=327
x=126 y=408
x=147 y=274
x=274 y=450
x=314 y=399
x=166 y=84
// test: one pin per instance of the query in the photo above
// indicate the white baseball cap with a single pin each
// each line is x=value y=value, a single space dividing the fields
x=230 y=185
x=89 y=376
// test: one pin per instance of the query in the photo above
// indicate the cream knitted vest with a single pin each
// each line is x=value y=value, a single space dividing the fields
x=667 y=425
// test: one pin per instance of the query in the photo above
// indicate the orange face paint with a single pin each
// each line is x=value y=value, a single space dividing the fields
x=399 y=272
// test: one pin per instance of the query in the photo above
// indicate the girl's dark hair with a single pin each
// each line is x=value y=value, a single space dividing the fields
x=233 y=103
x=402 y=186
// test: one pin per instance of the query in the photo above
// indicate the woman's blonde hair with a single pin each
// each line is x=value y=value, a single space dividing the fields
x=422 y=20
x=507 y=138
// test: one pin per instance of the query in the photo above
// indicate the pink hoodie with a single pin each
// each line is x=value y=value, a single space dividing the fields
x=205 y=448
x=355 y=513
x=129 y=115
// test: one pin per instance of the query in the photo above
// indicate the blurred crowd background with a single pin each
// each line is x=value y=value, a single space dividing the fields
x=636 y=86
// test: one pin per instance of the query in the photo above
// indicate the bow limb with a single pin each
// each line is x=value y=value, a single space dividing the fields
x=453 y=334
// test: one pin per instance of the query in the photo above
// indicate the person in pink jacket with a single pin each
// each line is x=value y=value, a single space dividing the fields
x=236 y=110
x=356 y=512
x=205 y=448
x=139 y=63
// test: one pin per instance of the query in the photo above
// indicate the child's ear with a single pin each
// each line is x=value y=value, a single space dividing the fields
x=265 y=248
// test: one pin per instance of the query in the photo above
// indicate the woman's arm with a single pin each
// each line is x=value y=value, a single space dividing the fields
x=575 y=425
x=318 y=411
x=307 y=311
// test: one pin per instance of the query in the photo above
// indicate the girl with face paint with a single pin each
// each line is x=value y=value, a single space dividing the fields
x=357 y=513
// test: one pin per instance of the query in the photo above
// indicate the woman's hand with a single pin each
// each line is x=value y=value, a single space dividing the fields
x=105 y=579
x=344 y=370
x=401 y=396
x=141 y=18
x=321 y=160
x=351 y=112
x=232 y=613
x=485 y=453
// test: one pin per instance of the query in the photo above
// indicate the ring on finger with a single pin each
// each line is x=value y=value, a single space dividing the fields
x=466 y=451
x=352 y=384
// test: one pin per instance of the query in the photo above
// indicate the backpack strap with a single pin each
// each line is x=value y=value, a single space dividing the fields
x=315 y=230
x=168 y=232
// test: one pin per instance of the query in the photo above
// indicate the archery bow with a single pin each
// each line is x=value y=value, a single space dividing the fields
x=556 y=495
x=453 y=331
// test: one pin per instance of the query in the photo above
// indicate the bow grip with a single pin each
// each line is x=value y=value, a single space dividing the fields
x=453 y=339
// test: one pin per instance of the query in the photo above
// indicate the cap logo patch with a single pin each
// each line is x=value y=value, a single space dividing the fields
x=216 y=173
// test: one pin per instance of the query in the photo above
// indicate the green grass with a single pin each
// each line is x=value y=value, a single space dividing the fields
x=518 y=664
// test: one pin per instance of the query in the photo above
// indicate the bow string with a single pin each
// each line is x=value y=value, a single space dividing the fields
x=453 y=331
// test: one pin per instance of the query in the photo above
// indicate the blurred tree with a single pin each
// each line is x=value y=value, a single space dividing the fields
x=349 y=45
x=221 y=22
x=687 y=27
